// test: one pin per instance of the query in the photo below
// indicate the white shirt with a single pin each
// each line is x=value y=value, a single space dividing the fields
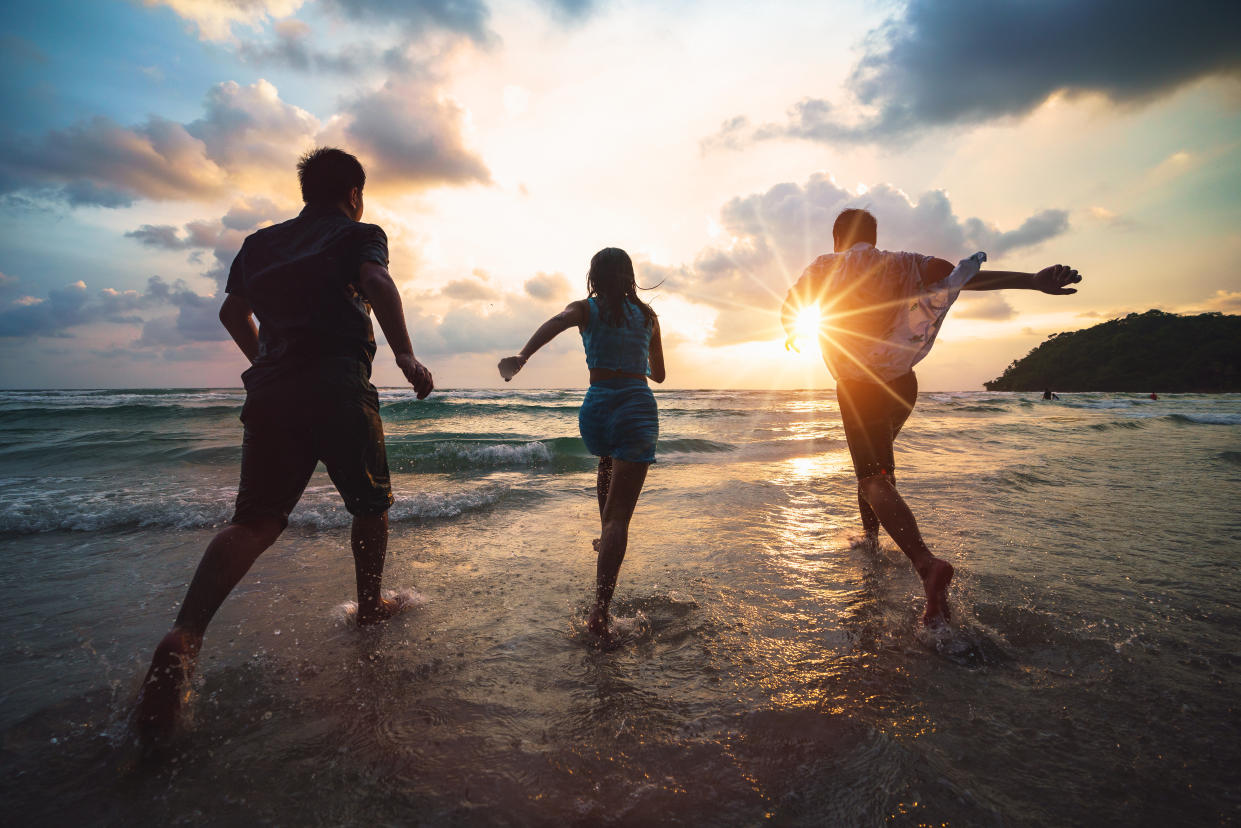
x=880 y=313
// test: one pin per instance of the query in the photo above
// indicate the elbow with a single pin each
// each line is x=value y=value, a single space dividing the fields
x=228 y=312
x=659 y=375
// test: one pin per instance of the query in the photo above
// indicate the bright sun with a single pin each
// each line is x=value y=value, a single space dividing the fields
x=808 y=321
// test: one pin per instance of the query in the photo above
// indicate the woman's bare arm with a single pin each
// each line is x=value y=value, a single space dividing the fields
x=574 y=315
x=657 y=354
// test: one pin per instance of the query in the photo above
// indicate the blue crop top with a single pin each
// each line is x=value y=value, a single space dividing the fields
x=624 y=348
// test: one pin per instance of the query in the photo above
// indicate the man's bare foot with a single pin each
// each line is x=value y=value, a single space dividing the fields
x=595 y=544
x=166 y=688
x=387 y=608
x=935 y=581
x=598 y=623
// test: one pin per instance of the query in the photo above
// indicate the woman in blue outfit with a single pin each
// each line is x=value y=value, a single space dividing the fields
x=618 y=419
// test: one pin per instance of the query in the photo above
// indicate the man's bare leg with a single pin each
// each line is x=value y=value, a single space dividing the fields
x=228 y=558
x=870 y=523
x=369 y=540
x=898 y=520
x=623 y=489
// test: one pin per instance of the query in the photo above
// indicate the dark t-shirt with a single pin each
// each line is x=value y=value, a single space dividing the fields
x=300 y=279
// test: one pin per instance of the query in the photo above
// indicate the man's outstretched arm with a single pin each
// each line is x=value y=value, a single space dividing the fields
x=236 y=318
x=377 y=286
x=1051 y=280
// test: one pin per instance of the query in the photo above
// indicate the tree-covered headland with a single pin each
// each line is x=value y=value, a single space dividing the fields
x=1142 y=352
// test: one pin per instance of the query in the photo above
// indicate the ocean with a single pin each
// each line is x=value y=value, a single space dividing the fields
x=769 y=668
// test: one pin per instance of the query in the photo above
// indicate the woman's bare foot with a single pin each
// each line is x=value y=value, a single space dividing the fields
x=386 y=608
x=166 y=688
x=935 y=581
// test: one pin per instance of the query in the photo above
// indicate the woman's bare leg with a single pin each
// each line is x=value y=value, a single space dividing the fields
x=624 y=487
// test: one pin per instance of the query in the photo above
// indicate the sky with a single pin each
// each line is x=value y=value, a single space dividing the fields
x=506 y=142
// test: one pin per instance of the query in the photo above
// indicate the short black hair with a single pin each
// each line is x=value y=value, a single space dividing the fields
x=853 y=226
x=328 y=174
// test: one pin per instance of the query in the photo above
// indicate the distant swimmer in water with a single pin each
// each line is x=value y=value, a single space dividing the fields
x=1048 y=395
x=618 y=419
x=880 y=312
x=1154 y=396
x=311 y=282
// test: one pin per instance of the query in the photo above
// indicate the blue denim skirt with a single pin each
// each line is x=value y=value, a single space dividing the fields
x=619 y=419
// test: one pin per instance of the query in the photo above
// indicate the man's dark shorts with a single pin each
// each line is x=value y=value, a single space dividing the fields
x=873 y=414
x=327 y=411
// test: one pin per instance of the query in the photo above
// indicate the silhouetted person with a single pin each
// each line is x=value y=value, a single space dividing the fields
x=1048 y=395
x=1154 y=396
x=881 y=313
x=311 y=282
x=618 y=420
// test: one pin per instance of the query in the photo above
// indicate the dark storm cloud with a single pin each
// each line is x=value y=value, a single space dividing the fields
x=945 y=62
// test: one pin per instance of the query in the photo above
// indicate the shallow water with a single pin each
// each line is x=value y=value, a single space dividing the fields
x=767 y=667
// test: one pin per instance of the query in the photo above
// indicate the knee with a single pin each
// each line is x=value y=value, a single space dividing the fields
x=613 y=524
x=263 y=531
x=874 y=486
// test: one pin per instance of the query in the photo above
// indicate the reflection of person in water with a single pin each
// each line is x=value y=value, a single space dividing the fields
x=618 y=419
x=1048 y=395
x=882 y=311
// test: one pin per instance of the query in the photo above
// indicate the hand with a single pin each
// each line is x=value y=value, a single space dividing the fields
x=1053 y=280
x=417 y=374
x=791 y=343
x=509 y=366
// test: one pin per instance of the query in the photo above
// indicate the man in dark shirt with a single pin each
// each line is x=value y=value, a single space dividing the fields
x=311 y=282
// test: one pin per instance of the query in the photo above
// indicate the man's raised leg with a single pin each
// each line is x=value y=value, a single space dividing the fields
x=228 y=558
x=894 y=514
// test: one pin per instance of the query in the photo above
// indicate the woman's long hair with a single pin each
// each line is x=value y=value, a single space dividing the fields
x=611 y=279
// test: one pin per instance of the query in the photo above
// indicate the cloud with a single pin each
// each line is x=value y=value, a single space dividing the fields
x=548 y=287
x=774 y=235
x=1113 y=219
x=214 y=19
x=570 y=11
x=100 y=162
x=75 y=305
x=250 y=130
x=990 y=306
x=1223 y=301
x=410 y=134
x=291 y=47
x=248 y=140
x=161 y=236
x=942 y=63
x=249 y=213
x=467 y=17
x=470 y=290
x=1037 y=228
